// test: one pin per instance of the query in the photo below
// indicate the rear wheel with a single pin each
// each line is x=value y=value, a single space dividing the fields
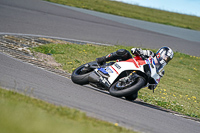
x=80 y=75
x=127 y=89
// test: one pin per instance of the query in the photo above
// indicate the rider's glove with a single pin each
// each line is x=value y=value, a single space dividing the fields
x=101 y=61
x=136 y=51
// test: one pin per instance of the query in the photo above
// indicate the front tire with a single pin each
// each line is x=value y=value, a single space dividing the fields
x=127 y=91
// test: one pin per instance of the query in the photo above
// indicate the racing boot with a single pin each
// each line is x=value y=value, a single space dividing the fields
x=101 y=61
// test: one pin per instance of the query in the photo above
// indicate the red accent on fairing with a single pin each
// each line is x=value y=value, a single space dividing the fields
x=114 y=69
x=137 y=61
x=133 y=61
x=140 y=60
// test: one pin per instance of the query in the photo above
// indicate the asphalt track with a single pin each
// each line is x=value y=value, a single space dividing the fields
x=41 y=18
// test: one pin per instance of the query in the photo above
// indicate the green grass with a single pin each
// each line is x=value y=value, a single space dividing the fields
x=23 y=114
x=136 y=12
x=179 y=89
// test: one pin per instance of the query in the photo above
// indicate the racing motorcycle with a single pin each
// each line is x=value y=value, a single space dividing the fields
x=120 y=78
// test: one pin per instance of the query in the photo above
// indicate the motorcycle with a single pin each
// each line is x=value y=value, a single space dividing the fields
x=120 y=78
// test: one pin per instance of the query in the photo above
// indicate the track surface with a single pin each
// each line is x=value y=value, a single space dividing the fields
x=59 y=90
x=37 y=17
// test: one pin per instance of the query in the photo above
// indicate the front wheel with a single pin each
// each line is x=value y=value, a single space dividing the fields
x=80 y=75
x=119 y=90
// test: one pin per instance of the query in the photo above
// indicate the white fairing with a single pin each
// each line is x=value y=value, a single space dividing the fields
x=116 y=69
x=119 y=67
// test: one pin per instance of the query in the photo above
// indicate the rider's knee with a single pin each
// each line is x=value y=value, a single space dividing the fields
x=122 y=52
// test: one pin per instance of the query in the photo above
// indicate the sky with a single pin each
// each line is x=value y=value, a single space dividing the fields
x=190 y=7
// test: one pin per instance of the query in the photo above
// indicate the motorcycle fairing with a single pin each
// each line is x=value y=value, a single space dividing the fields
x=133 y=64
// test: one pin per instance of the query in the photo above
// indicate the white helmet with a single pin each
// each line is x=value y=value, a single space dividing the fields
x=164 y=55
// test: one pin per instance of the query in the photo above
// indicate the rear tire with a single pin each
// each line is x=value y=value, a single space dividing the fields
x=126 y=92
x=79 y=78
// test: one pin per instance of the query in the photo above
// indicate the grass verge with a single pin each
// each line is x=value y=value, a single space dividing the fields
x=23 y=114
x=179 y=89
x=136 y=12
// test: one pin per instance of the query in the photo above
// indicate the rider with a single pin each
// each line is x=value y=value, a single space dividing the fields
x=161 y=58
